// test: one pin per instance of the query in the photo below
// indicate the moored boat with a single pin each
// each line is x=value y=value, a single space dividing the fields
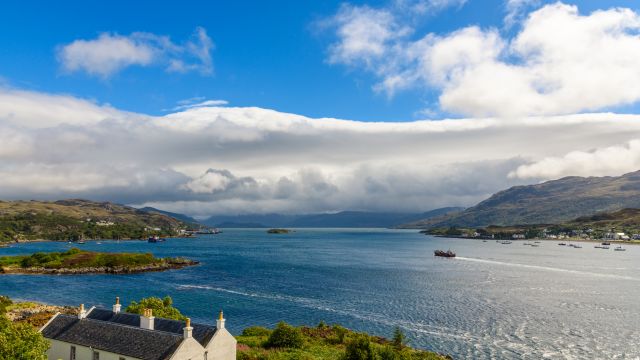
x=447 y=254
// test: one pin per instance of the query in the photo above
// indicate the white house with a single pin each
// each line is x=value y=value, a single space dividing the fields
x=101 y=334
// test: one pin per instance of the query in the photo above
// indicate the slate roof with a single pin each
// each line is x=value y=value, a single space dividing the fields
x=121 y=334
x=120 y=339
x=202 y=333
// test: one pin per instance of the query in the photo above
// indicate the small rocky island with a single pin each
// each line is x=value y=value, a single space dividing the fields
x=278 y=231
x=76 y=261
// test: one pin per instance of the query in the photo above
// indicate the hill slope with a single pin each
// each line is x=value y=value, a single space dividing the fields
x=181 y=217
x=347 y=219
x=550 y=202
x=73 y=219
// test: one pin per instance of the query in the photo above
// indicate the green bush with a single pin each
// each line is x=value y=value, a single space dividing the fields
x=398 y=338
x=285 y=336
x=340 y=332
x=256 y=331
x=21 y=342
x=4 y=302
x=360 y=348
x=162 y=308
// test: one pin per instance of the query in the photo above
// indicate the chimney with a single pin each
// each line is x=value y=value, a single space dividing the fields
x=82 y=313
x=188 y=330
x=220 y=321
x=117 y=307
x=147 y=320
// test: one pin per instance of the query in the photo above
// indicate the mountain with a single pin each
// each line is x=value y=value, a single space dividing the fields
x=348 y=219
x=76 y=218
x=551 y=202
x=182 y=217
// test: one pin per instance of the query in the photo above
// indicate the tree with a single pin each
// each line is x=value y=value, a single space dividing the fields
x=285 y=336
x=162 y=308
x=21 y=342
x=398 y=338
x=360 y=348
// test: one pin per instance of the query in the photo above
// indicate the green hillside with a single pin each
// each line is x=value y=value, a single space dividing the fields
x=75 y=219
x=551 y=202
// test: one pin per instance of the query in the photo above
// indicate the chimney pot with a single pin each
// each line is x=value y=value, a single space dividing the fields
x=117 y=307
x=147 y=321
x=82 y=313
x=188 y=330
x=220 y=322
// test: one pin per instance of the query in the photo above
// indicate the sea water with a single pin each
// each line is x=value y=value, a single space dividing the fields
x=493 y=301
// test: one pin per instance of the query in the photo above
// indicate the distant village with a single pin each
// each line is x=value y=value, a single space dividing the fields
x=514 y=233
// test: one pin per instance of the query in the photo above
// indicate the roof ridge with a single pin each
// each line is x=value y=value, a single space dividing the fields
x=162 y=318
x=125 y=325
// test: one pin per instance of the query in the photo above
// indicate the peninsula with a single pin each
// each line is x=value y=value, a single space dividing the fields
x=76 y=262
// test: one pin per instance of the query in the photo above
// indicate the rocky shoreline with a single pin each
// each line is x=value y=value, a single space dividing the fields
x=171 y=264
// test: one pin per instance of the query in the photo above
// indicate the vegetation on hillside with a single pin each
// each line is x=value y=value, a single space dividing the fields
x=80 y=259
x=162 y=308
x=588 y=227
x=323 y=342
x=19 y=341
x=551 y=202
x=77 y=219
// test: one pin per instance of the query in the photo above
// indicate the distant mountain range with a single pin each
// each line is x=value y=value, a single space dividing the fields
x=551 y=202
x=348 y=219
x=181 y=217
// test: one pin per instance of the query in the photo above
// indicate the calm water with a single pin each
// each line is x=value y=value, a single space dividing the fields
x=493 y=301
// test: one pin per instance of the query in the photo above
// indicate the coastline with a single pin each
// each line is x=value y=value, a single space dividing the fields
x=540 y=239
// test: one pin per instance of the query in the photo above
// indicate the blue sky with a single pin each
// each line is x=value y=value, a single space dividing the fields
x=93 y=101
x=267 y=54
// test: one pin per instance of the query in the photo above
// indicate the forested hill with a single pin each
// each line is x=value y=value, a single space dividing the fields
x=75 y=218
x=551 y=202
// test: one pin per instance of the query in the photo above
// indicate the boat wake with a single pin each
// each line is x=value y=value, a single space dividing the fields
x=547 y=268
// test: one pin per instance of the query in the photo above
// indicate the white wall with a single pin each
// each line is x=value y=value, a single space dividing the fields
x=222 y=346
x=189 y=349
x=60 y=350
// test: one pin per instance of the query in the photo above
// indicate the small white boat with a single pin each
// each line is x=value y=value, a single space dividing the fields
x=619 y=248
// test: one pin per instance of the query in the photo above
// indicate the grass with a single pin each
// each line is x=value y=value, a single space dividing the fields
x=323 y=343
x=76 y=258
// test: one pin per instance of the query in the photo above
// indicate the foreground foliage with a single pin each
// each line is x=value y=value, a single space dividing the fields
x=19 y=341
x=323 y=342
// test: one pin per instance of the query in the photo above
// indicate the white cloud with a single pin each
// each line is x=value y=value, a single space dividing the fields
x=209 y=182
x=515 y=10
x=198 y=102
x=560 y=62
x=207 y=160
x=111 y=53
x=607 y=161
x=365 y=34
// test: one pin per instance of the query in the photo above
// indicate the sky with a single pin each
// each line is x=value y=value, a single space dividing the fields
x=320 y=106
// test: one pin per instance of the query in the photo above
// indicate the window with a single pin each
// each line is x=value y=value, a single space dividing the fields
x=72 y=353
x=96 y=355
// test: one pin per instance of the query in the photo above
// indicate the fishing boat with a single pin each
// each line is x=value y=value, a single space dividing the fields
x=155 y=239
x=619 y=248
x=209 y=231
x=562 y=244
x=606 y=243
x=447 y=254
